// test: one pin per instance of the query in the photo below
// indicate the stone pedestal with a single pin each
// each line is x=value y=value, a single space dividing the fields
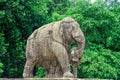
x=54 y=79
x=50 y=79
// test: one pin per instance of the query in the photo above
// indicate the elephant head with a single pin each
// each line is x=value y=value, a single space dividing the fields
x=72 y=32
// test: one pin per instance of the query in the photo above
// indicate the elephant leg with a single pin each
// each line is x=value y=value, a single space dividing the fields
x=58 y=72
x=62 y=56
x=54 y=72
x=74 y=66
x=50 y=72
x=28 y=69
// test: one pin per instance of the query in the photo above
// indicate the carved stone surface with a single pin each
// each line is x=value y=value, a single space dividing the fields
x=49 y=47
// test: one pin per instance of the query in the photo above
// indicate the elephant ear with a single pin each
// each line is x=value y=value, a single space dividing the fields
x=76 y=29
x=65 y=29
x=57 y=32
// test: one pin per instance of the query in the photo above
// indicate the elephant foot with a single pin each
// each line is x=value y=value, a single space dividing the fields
x=68 y=75
x=25 y=75
x=53 y=76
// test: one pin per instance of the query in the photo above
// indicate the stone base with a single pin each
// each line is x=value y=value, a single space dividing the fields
x=54 y=79
x=50 y=79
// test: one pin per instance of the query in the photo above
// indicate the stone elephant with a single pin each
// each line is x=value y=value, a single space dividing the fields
x=49 y=47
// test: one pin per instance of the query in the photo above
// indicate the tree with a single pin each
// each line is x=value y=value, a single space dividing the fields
x=18 y=19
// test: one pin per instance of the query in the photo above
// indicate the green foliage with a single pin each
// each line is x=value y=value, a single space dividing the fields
x=18 y=19
x=3 y=47
x=41 y=72
x=1 y=66
x=98 y=62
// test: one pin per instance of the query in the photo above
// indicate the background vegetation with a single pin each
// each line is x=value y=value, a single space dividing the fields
x=99 y=22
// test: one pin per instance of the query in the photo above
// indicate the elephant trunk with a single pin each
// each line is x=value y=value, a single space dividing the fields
x=80 y=49
x=77 y=51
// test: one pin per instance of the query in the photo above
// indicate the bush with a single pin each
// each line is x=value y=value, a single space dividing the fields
x=41 y=72
x=98 y=62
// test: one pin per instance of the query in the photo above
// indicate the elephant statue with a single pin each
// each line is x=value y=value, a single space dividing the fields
x=49 y=47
